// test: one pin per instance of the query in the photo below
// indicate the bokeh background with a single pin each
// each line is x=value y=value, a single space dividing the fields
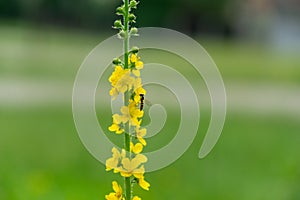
x=256 y=45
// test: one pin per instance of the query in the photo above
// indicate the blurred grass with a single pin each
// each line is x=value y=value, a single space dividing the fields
x=41 y=156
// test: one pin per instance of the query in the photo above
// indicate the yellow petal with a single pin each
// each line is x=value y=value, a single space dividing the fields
x=144 y=184
x=131 y=146
x=114 y=93
x=124 y=110
x=111 y=163
x=117 y=119
x=139 y=65
x=115 y=186
x=137 y=98
x=125 y=174
x=142 y=141
x=136 y=198
x=120 y=131
x=111 y=196
x=138 y=148
x=137 y=84
x=113 y=127
x=115 y=152
x=126 y=163
x=136 y=72
x=133 y=58
x=142 y=158
x=139 y=172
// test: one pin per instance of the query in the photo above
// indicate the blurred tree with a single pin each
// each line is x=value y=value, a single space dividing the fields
x=9 y=8
x=191 y=16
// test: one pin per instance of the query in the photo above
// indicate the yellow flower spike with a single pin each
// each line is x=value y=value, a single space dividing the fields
x=144 y=184
x=136 y=198
x=137 y=148
x=126 y=82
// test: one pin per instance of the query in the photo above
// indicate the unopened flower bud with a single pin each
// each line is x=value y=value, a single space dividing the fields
x=134 y=50
x=122 y=34
x=132 y=17
x=117 y=61
x=118 y=24
x=133 y=4
x=120 y=11
x=133 y=31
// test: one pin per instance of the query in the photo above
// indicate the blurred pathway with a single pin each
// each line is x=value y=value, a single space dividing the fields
x=241 y=97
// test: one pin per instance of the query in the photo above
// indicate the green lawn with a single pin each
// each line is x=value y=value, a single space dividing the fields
x=41 y=156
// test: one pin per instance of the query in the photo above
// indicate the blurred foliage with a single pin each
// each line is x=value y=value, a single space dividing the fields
x=192 y=15
x=79 y=13
x=42 y=157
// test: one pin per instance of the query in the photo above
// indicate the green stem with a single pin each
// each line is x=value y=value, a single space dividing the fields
x=126 y=30
x=127 y=140
x=127 y=95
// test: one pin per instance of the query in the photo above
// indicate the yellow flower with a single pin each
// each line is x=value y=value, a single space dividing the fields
x=136 y=198
x=118 y=119
x=116 y=128
x=134 y=166
x=137 y=83
x=114 y=93
x=134 y=59
x=113 y=162
x=121 y=81
x=136 y=148
x=131 y=113
x=125 y=82
x=117 y=194
x=144 y=184
x=138 y=89
x=134 y=110
x=139 y=65
x=137 y=94
x=140 y=134
x=136 y=72
x=116 y=75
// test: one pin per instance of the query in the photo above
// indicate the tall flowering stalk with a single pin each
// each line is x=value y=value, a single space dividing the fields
x=126 y=81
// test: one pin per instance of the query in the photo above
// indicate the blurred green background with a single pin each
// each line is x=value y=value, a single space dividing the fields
x=256 y=46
